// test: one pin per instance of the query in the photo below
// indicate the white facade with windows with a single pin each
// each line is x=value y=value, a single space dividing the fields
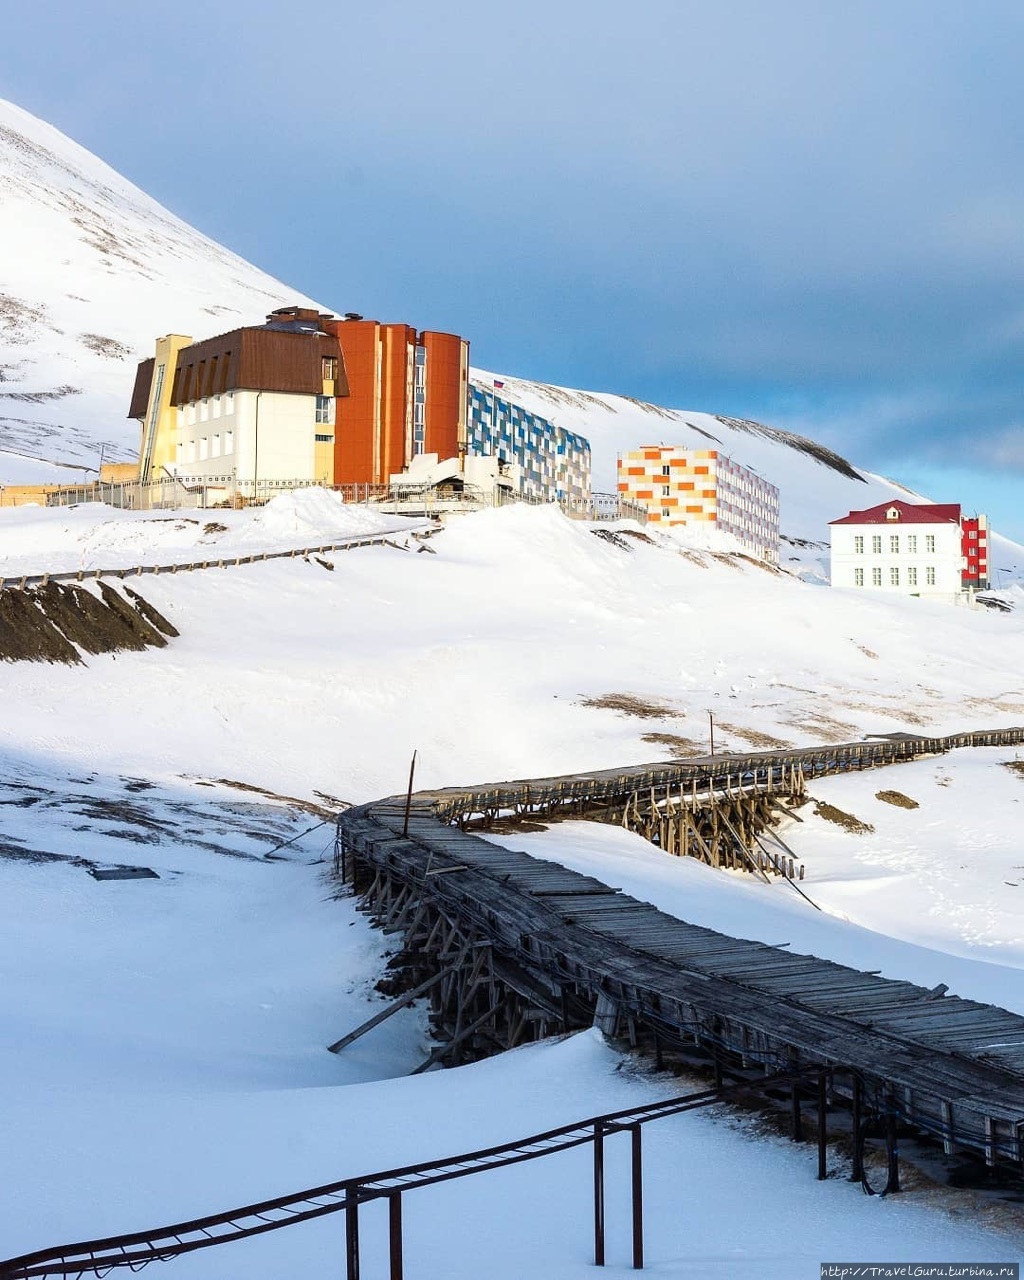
x=898 y=556
x=247 y=438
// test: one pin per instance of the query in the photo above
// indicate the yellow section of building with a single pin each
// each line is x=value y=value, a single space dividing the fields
x=323 y=461
x=158 y=448
x=119 y=472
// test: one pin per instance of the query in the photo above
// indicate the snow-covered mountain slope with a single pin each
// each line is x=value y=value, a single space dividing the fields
x=92 y=270
x=816 y=484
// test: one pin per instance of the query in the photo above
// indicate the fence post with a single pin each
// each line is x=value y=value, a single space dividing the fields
x=395 y=1234
x=598 y=1194
x=638 y=1198
x=351 y=1233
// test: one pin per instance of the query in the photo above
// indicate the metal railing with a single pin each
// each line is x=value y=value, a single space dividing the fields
x=383 y=539
x=218 y=492
x=137 y=1249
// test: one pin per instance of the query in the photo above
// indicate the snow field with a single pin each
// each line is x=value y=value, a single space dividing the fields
x=165 y=1037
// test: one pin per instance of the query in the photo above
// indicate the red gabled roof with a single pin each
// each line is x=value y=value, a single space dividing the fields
x=910 y=513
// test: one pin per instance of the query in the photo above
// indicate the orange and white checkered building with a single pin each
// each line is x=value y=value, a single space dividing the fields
x=703 y=487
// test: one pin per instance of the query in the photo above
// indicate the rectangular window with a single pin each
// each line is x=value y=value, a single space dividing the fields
x=876 y=544
x=858 y=544
x=894 y=577
x=324 y=409
x=876 y=577
x=330 y=368
x=911 y=577
x=929 y=542
x=929 y=575
x=912 y=544
x=858 y=577
x=894 y=544
x=666 y=512
x=666 y=471
x=666 y=490
x=320 y=439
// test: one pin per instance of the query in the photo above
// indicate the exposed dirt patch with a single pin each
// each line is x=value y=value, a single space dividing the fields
x=898 y=799
x=680 y=748
x=868 y=653
x=822 y=726
x=108 y=348
x=214 y=526
x=752 y=736
x=630 y=705
x=1015 y=766
x=55 y=622
x=842 y=819
x=308 y=806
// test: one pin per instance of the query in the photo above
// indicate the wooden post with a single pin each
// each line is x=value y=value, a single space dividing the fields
x=857 y=1172
x=408 y=796
x=822 y=1127
x=892 y=1153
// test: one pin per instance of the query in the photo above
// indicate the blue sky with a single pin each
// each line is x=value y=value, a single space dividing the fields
x=809 y=212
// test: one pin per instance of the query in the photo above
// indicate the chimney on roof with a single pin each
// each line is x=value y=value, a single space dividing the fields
x=297 y=319
x=352 y=315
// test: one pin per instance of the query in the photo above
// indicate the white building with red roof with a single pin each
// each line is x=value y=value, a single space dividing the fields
x=919 y=549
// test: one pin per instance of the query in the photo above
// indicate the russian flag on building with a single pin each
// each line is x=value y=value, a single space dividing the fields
x=498 y=386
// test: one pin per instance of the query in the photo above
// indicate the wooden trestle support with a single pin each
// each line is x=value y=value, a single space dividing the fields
x=510 y=948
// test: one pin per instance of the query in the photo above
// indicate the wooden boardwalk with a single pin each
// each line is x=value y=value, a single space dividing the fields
x=521 y=947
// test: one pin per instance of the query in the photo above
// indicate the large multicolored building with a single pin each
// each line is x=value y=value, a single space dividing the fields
x=706 y=488
x=544 y=461
x=921 y=549
x=311 y=399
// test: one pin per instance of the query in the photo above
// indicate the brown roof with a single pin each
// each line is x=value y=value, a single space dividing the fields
x=256 y=359
x=140 y=392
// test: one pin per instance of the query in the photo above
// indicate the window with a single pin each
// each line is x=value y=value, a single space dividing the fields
x=911 y=577
x=894 y=544
x=323 y=439
x=929 y=542
x=330 y=368
x=912 y=544
x=876 y=577
x=929 y=575
x=858 y=577
x=666 y=471
x=876 y=544
x=894 y=577
x=324 y=409
x=666 y=512
x=858 y=544
x=666 y=489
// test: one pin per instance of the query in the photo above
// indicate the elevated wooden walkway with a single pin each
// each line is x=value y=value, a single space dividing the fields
x=521 y=947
